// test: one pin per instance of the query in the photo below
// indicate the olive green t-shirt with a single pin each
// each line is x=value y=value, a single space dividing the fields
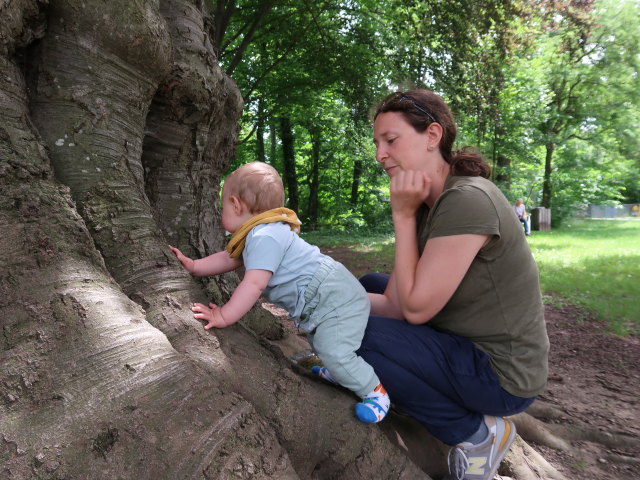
x=498 y=305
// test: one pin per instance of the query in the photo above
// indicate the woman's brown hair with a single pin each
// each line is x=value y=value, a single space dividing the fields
x=421 y=108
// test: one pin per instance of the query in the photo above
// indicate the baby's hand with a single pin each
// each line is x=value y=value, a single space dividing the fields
x=210 y=314
x=186 y=262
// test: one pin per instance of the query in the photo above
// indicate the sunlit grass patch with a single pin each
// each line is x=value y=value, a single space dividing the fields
x=594 y=264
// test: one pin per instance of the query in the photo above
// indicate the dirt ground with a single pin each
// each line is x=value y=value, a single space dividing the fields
x=595 y=380
x=592 y=394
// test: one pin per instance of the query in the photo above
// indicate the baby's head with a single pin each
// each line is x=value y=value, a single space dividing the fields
x=258 y=185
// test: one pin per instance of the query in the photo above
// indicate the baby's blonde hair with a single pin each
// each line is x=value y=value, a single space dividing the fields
x=258 y=185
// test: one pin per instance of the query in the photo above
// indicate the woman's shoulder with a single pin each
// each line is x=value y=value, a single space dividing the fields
x=473 y=189
x=468 y=190
x=459 y=182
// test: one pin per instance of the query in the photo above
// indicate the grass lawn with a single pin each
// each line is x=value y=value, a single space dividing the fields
x=592 y=264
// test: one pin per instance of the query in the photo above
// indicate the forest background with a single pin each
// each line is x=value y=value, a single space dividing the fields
x=548 y=91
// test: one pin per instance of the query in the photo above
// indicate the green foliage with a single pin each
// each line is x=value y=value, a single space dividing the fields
x=598 y=183
x=549 y=91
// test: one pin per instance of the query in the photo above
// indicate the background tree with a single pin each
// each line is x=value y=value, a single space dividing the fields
x=506 y=69
x=320 y=68
x=580 y=70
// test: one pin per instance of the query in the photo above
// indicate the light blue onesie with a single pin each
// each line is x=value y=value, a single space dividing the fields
x=321 y=295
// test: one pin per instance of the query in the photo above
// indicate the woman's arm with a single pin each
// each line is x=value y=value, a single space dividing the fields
x=424 y=284
x=387 y=304
x=426 y=287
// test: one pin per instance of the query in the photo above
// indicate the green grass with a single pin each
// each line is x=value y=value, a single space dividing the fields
x=595 y=265
x=592 y=264
x=361 y=240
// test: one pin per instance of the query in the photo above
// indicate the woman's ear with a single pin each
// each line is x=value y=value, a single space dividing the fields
x=434 y=135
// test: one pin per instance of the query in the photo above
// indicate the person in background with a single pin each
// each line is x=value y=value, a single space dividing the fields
x=457 y=333
x=522 y=216
x=324 y=299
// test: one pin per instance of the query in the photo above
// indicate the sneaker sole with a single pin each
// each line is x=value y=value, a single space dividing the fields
x=506 y=445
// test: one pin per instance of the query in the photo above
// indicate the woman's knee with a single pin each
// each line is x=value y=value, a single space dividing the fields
x=375 y=282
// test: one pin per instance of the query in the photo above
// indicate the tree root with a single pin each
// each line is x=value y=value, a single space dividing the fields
x=538 y=432
x=558 y=436
x=623 y=459
x=524 y=463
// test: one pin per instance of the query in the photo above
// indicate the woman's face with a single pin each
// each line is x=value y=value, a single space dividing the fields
x=398 y=145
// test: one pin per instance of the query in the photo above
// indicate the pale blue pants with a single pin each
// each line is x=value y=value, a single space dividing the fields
x=335 y=317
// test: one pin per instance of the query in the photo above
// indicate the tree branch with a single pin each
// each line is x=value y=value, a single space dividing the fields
x=247 y=39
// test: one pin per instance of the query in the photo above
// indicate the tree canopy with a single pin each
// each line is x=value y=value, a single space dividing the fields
x=549 y=92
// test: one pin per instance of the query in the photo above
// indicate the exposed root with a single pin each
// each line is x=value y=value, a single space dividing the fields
x=541 y=409
x=585 y=433
x=622 y=459
x=558 y=435
x=538 y=432
x=524 y=463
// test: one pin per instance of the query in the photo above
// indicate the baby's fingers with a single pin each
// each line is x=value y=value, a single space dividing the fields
x=199 y=307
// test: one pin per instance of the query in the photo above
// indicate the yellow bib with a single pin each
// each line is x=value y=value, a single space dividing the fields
x=236 y=244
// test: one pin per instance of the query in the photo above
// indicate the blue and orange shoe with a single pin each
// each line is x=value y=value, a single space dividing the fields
x=374 y=406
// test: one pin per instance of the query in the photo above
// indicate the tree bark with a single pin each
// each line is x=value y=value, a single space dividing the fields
x=503 y=176
x=88 y=388
x=260 y=150
x=355 y=182
x=548 y=170
x=289 y=163
x=314 y=178
x=103 y=371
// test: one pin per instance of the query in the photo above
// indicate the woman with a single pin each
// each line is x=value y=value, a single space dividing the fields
x=456 y=332
x=521 y=212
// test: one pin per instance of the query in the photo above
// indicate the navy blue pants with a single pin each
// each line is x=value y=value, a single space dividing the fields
x=442 y=380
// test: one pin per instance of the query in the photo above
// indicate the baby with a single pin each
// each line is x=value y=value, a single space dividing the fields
x=320 y=294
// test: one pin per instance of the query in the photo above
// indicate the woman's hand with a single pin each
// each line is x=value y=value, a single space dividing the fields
x=409 y=189
x=210 y=314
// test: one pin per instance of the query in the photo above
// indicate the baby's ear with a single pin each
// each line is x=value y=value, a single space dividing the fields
x=238 y=205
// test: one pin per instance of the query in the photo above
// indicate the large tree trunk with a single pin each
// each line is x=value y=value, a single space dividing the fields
x=260 y=150
x=103 y=371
